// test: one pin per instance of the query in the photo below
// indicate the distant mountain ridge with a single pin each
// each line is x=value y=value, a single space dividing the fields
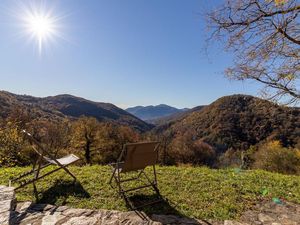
x=150 y=113
x=176 y=116
x=68 y=106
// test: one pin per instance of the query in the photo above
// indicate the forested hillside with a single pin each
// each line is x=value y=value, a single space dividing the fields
x=238 y=121
x=235 y=130
x=68 y=106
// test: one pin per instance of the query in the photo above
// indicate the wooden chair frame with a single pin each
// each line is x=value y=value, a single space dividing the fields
x=43 y=155
x=117 y=176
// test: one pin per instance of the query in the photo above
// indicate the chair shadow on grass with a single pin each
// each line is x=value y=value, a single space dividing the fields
x=164 y=211
x=60 y=192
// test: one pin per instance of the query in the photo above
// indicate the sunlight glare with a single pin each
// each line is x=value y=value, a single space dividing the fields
x=40 y=23
x=41 y=27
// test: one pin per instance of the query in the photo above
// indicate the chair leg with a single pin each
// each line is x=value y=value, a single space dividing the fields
x=35 y=191
x=68 y=171
x=115 y=175
x=112 y=176
x=118 y=180
x=133 y=208
x=152 y=183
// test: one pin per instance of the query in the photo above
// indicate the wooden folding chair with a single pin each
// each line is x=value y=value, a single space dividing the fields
x=136 y=157
x=43 y=156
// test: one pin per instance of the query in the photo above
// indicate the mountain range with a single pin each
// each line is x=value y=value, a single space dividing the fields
x=236 y=121
x=152 y=113
x=68 y=106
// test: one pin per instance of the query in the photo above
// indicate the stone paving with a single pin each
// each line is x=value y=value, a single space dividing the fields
x=7 y=203
x=27 y=213
x=268 y=212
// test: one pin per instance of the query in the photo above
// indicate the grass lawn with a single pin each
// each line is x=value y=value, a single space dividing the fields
x=196 y=192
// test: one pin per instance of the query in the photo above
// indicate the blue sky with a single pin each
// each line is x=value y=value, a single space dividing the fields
x=127 y=52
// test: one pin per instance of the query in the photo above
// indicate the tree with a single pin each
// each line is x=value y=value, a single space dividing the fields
x=55 y=135
x=84 y=135
x=265 y=37
x=13 y=152
x=20 y=117
x=165 y=140
x=186 y=148
x=112 y=137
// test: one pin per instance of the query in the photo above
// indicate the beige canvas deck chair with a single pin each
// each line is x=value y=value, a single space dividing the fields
x=43 y=156
x=135 y=158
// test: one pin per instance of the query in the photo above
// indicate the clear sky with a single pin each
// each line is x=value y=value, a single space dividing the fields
x=127 y=52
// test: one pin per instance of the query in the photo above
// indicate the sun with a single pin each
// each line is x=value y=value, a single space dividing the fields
x=40 y=23
x=41 y=27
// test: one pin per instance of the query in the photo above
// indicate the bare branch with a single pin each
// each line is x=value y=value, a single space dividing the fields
x=265 y=37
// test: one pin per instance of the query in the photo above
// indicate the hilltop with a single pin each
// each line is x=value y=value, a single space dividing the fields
x=237 y=121
x=68 y=106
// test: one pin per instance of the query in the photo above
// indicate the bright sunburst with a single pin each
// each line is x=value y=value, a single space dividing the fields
x=40 y=23
x=40 y=27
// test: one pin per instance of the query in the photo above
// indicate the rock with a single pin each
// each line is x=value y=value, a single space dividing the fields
x=286 y=221
x=6 y=205
x=59 y=208
x=26 y=219
x=83 y=220
x=7 y=193
x=23 y=206
x=4 y=218
x=265 y=218
x=230 y=222
x=52 y=219
x=76 y=212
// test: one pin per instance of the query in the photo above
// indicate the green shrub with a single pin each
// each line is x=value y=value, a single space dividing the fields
x=272 y=156
x=12 y=150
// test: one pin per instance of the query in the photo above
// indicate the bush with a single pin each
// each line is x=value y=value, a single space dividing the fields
x=272 y=156
x=230 y=158
x=184 y=149
x=13 y=152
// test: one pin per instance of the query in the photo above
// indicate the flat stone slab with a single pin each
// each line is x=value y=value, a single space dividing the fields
x=6 y=193
x=4 y=218
x=7 y=204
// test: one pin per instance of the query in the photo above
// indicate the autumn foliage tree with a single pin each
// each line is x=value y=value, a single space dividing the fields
x=186 y=149
x=112 y=137
x=274 y=157
x=13 y=150
x=84 y=135
x=101 y=142
x=11 y=145
x=265 y=38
